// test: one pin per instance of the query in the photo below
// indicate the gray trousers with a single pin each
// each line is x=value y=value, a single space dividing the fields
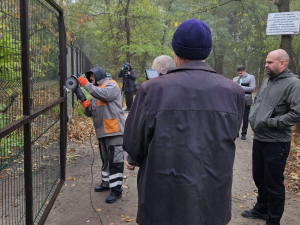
x=112 y=156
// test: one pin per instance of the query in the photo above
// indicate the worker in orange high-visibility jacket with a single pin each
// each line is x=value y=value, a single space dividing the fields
x=104 y=106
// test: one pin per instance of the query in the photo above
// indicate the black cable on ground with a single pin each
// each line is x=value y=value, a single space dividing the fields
x=93 y=179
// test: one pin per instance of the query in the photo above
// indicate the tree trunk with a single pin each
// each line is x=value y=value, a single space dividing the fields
x=261 y=71
x=127 y=30
x=167 y=23
x=219 y=58
x=286 y=40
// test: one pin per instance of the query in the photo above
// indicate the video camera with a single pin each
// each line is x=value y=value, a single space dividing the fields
x=126 y=69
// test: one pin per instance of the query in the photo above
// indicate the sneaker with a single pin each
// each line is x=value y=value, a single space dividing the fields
x=253 y=214
x=113 y=198
x=243 y=137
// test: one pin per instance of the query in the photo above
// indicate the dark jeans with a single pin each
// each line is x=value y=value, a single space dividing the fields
x=245 y=120
x=128 y=98
x=268 y=165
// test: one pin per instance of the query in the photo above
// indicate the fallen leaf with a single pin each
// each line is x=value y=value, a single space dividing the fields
x=128 y=220
x=98 y=210
x=73 y=185
x=241 y=206
x=244 y=178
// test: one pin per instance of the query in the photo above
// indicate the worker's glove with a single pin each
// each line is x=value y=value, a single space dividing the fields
x=85 y=104
x=82 y=81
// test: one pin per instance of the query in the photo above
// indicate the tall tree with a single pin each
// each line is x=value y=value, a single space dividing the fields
x=286 y=40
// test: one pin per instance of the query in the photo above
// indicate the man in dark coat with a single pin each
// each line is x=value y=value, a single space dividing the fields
x=181 y=130
x=129 y=77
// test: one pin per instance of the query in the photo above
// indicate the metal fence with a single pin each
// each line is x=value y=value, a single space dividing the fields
x=33 y=107
x=77 y=63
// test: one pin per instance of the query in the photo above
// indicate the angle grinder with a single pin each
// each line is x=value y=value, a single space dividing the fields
x=72 y=84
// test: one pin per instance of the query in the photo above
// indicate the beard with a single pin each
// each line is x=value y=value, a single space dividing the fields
x=270 y=72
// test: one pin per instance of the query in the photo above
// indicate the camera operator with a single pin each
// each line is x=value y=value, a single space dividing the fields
x=104 y=106
x=129 y=77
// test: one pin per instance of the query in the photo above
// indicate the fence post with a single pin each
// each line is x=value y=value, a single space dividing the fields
x=26 y=110
x=77 y=66
x=63 y=105
x=72 y=69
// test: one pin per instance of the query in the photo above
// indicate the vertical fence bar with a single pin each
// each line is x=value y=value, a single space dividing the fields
x=63 y=105
x=26 y=110
x=77 y=66
x=80 y=68
x=72 y=69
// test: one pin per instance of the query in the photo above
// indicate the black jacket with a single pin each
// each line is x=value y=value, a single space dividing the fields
x=181 y=129
x=128 y=81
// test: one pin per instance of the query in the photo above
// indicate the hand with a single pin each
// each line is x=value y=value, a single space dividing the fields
x=128 y=166
x=82 y=81
x=85 y=104
x=128 y=73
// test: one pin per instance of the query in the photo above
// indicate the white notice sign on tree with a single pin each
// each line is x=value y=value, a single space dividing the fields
x=283 y=23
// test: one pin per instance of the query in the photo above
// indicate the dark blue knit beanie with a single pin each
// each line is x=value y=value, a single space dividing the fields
x=192 y=40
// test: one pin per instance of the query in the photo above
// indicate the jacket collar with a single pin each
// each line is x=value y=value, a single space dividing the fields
x=102 y=81
x=285 y=73
x=193 y=65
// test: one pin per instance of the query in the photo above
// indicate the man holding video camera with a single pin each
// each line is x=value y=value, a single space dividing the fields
x=181 y=130
x=129 y=77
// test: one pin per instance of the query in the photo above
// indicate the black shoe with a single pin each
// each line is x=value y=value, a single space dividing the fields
x=126 y=110
x=253 y=214
x=113 y=198
x=238 y=135
x=101 y=188
x=243 y=137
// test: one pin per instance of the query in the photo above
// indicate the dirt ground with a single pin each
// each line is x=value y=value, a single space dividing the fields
x=73 y=206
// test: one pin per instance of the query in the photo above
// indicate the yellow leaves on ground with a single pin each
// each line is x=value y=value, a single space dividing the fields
x=126 y=218
x=244 y=178
x=295 y=176
x=98 y=210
